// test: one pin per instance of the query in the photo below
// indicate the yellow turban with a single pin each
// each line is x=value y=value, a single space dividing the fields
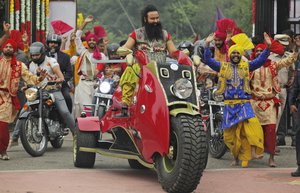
x=236 y=48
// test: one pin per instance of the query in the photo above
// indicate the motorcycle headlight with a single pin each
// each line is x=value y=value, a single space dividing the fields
x=104 y=87
x=31 y=94
x=217 y=97
x=182 y=88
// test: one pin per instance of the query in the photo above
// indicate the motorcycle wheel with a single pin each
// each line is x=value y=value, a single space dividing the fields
x=34 y=143
x=181 y=171
x=83 y=139
x=134 y=164
x=217 y=147
x=57 y=142
x=101 y=112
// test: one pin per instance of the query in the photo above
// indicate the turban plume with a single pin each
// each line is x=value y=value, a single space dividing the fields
x=100 y=31
x=17 y=37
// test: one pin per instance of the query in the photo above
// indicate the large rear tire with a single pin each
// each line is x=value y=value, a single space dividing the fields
x=83 y=139
x=33 y=142
x=181 y=172
x=217 y=147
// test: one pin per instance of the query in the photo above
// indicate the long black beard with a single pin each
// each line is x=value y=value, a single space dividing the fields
x=154 y=31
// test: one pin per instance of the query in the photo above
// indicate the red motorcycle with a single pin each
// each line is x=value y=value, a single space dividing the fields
x=162 y=128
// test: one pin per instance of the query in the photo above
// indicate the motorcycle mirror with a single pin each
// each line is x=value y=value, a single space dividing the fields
x=196 y=60
x=129 y=60
x=186 y=52
x=121 y=51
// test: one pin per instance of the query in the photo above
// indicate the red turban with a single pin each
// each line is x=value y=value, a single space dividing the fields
x=220 y=35
x=261 y=46
x=96 y=54
x=277 y=48
x=17 y=37
x=91 y=35
x=237 y=31
x=12 y=43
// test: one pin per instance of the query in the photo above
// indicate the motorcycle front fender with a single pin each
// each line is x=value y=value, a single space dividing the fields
x=88 y=123
x=188 y=110
x=151 y=116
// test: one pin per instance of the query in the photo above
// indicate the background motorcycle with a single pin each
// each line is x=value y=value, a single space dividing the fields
x=212 y=111
x=105 y=87
x=211 y=105
x=163 y=130
x=40 y=121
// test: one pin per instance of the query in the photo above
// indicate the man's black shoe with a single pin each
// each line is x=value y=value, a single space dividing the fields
x=296 y=173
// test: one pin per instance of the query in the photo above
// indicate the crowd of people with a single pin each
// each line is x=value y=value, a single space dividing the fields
x=252 y=75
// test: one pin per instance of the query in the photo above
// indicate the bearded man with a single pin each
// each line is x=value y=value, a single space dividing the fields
x=242 y=131
x=152 y=39
x=11 y=71
x=87 y=68
x=220 y=46
x=265 y=104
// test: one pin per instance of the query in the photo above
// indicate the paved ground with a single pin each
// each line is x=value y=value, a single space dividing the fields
x=47 y=174
x=116 y=181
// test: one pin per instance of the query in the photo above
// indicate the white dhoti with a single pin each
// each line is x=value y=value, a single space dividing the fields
x=84 y=93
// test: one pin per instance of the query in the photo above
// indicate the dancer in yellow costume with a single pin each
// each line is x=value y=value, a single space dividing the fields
x=243 y=133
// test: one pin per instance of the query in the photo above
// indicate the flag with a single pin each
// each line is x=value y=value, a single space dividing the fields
x=60 y=27
x=219 y=15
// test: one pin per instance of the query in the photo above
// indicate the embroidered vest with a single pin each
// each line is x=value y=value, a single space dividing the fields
x=15 y=75
x=226 y=73
x=156 y=49
x=14 y=78
x=274 y=74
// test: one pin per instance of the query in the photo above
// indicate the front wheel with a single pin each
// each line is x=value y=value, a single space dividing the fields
x=83 y=139
x=101 y=112
x=181 y=170
x=217 y=147
x=34 y=143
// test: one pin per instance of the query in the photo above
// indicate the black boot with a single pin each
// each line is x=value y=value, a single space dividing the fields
x=280 y=141
x=296 y=173
x=293 y=144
